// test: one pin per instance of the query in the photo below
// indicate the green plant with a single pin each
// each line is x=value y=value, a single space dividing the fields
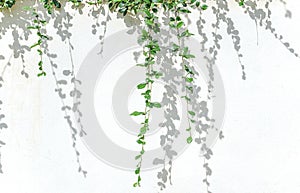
x=150 y=50
x=38 y=24
x=5 y=4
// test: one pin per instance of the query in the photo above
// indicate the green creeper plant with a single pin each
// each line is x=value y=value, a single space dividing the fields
x=150 y=50
x=38 y=24
x=188 y=76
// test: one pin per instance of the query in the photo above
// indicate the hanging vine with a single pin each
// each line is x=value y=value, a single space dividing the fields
x=150 y=50
x=37 y=24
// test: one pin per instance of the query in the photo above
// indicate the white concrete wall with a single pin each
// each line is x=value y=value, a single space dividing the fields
x=260 y=152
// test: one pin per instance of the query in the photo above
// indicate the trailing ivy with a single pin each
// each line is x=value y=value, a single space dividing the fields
x=183 y=52
x=38 y=24
x=150 y=50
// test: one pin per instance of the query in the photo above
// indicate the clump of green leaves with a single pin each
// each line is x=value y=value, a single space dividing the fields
x=77 y=3
x=241 y=2
x=50 y=4
x=7 y=4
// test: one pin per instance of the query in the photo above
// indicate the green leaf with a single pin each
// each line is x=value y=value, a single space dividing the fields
x=137 y=113
x=156 y=104
x=31 y=27
x=149 y=22
x=189 y=140
x=139 y=141
x=56 y=3
x=136 y=184
x=138 y=157
x=42 y=74
x=40 y=52
x=184 y=11
x=147 y=12
x=186 y=98
x=27 y=8
x=158 y=74
x=143 y=130
x=204 y=7
x=189 y=80
x=192 y=113
x=40 y=64
x=186 y=33
x=190 y=88
x=142 y=85
x=241 y=3
x=180 y=24
x=146 y=121
x=137 y=171
x=188 y=56
x=175 y=48
x=141 y=65
x=34 y=45
x=149 y=80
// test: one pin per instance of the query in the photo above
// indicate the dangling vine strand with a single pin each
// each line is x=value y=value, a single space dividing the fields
x=38 y=24
x=150 y=50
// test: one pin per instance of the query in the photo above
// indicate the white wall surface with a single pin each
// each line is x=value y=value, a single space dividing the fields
x=260 y=152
